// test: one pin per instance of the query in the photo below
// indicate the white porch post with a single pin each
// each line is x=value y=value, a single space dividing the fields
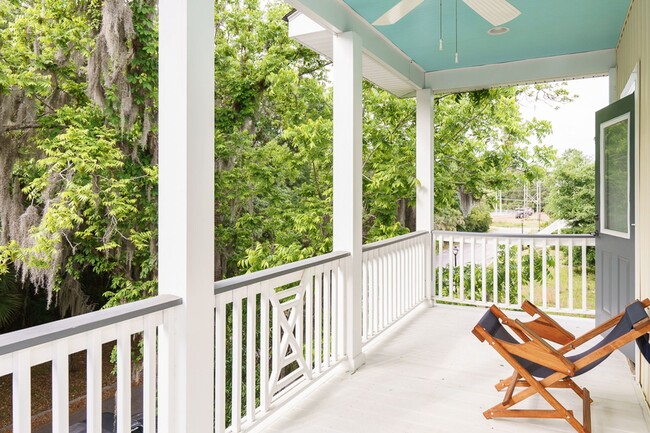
x=186 y=213
x=424 y=175
x=347 y=180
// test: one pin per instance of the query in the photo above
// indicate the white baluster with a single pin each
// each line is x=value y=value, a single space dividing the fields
x=60 y=388
x=584 y=274
x=327 y=309
x=507 y=270
x=123 y=400
x=532 y=270
x=544 y=272
x=484 y=272
x=495 y=273
x=251 y=350
x=265 y=318
x=557 y=274
x=94 y=383
x=365 y=294
x=149 y=382
x=519 y=270
x=22 y=394
x=570 y=270
x=440 y=266
x=318 y=321
x=451 y=267
x=236 y=378
x=473 y=270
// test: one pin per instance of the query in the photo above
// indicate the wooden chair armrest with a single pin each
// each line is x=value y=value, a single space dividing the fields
x=545 y=326
x=550 y=350
x=597 y=330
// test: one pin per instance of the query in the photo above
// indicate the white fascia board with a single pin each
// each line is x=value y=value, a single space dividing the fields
x=300 y=24
x=338 y=17
x=581 y=65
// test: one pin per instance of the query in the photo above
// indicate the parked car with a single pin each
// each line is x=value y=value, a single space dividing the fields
x=523 y=212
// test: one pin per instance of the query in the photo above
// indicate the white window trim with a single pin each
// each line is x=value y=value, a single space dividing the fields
x=603 y=229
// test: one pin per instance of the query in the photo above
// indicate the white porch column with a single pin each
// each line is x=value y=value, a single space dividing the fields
x=347 y=179
x=424 y=175
x=186 y=213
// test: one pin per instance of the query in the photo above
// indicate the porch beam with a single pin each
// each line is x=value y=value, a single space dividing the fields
x=347 y=181
x=596 y=63
x=424 y=175
x=337 y=17
x=186 y=213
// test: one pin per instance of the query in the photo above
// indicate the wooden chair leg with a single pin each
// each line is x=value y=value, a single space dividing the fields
x=503 y=409
x=586 y=410
x=511 y=388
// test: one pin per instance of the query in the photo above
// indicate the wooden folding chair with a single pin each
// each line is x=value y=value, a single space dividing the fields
x=538 y=366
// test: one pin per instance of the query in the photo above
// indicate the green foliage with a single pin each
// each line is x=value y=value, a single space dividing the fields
x=571 y=188
x=388 y=164
x=87 y=186
x=478 y=221
x=11 y=300
x=271 y=106
x=483 y=144
x=83 y=178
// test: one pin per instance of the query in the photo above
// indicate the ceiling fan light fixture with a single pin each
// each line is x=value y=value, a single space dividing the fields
x=496 y=12
x=496 y=31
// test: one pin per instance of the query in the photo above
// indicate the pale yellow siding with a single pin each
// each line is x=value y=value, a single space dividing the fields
x=634 y=49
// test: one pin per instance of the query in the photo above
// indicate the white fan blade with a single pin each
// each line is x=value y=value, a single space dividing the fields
x=397 y=12
x=496 y=12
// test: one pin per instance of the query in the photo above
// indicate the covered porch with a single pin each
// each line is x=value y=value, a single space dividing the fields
x=352 y=339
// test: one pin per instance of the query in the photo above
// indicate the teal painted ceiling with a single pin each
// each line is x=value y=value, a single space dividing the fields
x=545 y=28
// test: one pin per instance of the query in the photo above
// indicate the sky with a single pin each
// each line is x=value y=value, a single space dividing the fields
x=574 y=122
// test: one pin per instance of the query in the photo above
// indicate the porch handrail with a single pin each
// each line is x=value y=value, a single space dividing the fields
x=516 y=235
x=505 y=268
x=393 y=281
x=397 y=239
x=151 y=319
x=233 y=283
x=279 y=329
x=61 y=329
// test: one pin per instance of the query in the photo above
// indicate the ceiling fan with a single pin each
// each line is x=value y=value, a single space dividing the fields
x=496 y=12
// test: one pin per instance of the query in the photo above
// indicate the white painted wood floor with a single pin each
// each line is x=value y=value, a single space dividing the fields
x=430 y=374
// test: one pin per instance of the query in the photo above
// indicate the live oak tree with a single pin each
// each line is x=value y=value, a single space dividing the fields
x=78 y=149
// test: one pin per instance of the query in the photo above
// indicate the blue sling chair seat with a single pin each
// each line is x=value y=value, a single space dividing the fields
x=539 y=366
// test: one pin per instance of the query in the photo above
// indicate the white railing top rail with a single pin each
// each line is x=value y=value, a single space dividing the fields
x=515 y=235
x=391 y=241
x=60 y=329
x=230 y=284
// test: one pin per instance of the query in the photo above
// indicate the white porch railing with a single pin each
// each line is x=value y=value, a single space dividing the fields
x=275 y=331
x=393 y=280
x=481 y=269
x=54 y=342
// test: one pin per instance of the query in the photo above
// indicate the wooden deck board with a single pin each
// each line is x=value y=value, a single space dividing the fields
x=430 y=374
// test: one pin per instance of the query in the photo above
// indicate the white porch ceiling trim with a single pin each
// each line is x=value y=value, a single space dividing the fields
x=337 y=17
x=571 y=66
x=319 y=39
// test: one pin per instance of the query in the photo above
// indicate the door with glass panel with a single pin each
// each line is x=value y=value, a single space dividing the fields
x=615 y=225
